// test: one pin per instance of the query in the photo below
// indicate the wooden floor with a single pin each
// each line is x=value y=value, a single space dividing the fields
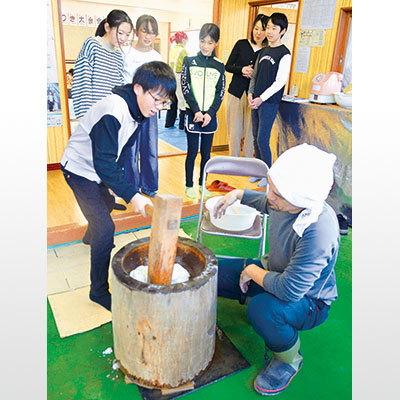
x=66 y=223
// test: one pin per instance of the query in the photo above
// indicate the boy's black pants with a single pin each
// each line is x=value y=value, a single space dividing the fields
x=96 y=204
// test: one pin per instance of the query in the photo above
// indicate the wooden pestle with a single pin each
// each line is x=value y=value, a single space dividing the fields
x=166 y=219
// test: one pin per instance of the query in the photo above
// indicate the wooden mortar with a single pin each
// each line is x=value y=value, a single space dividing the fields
x=164 y=335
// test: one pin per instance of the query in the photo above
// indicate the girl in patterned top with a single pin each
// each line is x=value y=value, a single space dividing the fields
x=99 y=65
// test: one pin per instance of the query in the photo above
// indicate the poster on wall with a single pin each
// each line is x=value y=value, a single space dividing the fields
x=312 y=37
x=53 y=92
x=302 y=59
x=318 y=14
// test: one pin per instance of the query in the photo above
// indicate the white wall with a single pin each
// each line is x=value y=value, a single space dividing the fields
x=179 y=20
x=74 y=36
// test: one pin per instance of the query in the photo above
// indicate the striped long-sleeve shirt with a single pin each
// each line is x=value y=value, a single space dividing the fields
x=98 y=70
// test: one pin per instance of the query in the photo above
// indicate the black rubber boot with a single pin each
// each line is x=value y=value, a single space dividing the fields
x=276 y=376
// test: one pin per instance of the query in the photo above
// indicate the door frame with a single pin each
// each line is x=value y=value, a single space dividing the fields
x=342 y=39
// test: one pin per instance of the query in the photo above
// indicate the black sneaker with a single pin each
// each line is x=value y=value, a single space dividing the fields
x=104 y=300
x=343 y=224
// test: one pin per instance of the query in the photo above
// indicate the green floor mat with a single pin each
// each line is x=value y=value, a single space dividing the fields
x=79 y=367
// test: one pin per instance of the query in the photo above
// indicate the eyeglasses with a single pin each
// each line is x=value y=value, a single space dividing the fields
x=159 y=102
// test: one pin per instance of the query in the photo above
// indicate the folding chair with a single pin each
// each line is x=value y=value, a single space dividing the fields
x=236 y=166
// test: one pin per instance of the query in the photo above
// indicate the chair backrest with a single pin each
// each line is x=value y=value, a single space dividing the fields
x=229 y=165
x=238 y=166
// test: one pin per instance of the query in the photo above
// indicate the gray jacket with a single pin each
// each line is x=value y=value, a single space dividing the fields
x=299 y=266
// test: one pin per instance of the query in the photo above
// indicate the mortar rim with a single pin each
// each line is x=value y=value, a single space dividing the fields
x=211 y=268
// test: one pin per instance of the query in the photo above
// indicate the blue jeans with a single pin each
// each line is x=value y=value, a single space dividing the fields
x=262 y=120
x=276 y=321
x=192 y=150
x=96 y=204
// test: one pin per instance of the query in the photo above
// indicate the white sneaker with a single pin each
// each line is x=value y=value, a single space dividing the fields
x=254 y=179
x=262 y=183
x=207 y=193
x=190 y=192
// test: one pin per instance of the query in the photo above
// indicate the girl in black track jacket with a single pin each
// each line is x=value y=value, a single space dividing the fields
x=203 y=86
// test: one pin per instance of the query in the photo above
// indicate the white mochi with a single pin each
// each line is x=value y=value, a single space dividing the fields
x=179 y=274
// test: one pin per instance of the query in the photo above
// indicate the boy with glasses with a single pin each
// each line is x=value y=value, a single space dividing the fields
x=91 y=162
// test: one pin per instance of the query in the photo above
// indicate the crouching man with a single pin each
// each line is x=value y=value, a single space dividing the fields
x=291 y=288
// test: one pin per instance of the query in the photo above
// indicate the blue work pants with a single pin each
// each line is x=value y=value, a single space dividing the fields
x=276 y=321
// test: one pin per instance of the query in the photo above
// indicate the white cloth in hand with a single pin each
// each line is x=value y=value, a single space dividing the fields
x=139 y=203
x=244 y=282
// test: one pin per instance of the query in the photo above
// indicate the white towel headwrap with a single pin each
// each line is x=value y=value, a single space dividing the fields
x=304 y=176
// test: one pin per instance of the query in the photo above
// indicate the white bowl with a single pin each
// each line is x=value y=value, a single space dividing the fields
x=238 y=217
x=344 y=100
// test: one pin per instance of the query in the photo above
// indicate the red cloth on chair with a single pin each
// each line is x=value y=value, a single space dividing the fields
x=219 y=186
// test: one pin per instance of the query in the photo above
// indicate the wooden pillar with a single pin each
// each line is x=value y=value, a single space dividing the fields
x=57 y=136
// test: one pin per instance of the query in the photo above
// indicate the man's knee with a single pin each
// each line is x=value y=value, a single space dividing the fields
x=228 y=275
x=257 y=306
x=264 y=306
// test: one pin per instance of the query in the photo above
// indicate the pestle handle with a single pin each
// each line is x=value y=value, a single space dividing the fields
x=166 y=219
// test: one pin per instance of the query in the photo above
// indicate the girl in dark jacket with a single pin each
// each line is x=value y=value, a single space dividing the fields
x=203 y=86
x=241 y=64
